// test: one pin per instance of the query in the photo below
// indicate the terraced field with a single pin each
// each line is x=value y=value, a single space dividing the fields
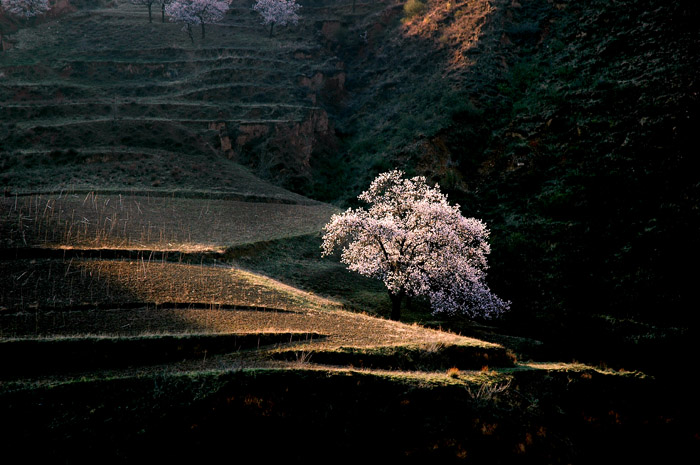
x=112 y=90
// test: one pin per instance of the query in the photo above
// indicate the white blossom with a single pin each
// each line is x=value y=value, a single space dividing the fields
x=417 y=244
x=25 y=8
x=192 y=12
x=280 y=12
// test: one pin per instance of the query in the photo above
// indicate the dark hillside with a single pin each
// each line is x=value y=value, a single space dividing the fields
x=567 y=126
x=594 y=181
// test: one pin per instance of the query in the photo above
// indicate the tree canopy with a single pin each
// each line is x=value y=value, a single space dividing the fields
x=191 y=12
x=25 y=8
x=418 y=244
x=280 y=12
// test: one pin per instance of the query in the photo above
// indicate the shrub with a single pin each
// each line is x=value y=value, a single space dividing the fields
x=413 y=8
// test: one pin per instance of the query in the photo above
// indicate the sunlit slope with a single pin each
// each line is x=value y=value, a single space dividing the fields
x=146 y=221
x=106 y=307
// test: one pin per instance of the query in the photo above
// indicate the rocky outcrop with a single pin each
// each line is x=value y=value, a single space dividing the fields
x=326 y=88
x=280 y=150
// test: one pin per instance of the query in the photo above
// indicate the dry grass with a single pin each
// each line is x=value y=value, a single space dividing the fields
x=457 y=24
x=56 y=283
x=133 y=170
x=42 y=292
x=155 y=223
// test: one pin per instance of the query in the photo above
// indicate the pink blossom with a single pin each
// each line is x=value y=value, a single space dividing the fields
x=417 y=244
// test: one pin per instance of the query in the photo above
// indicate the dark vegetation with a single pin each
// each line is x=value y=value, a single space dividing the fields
x=568 y=129
x=22 y=357
x=312 y=415
x=565 y=125
x=593 y=202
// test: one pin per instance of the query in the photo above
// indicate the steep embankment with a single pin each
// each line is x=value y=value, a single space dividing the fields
x=592 y=175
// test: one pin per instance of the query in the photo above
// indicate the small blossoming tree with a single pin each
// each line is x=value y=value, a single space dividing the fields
x=418 y=245
x=25 y=9
x=191 y=12
x=280 y=12
x=22 y=9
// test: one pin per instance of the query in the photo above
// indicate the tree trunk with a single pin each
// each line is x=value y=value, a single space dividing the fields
x=271 y=26
x=189 y=32
x=162 y=12
x=150 y=15
x=202 y=23
x=396 y=304
x=353 y=5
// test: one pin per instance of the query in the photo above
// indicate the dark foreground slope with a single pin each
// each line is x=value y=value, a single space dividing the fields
x=529 y=415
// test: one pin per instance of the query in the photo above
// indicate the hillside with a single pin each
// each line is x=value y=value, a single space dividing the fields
x=163 y=294
x=139 y=102
x=567 y=127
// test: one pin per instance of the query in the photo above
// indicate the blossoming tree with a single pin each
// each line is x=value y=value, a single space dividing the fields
x=25 y=9
x=418 y=245
x=21 y=9
x=190 y=12
x=280 y=12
